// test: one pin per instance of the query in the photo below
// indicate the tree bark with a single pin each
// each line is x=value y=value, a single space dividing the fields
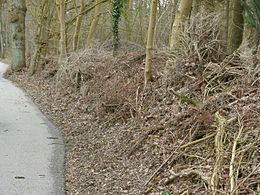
x=150 y=42
x=236 y=26
x=62 y=31
x=227 y=10
x=78 y=26
x=1 y=31
x=181 y=15
x=116 y=15
x=128 y=19
x=94 y=23
x=41 y=39
x=17 y=23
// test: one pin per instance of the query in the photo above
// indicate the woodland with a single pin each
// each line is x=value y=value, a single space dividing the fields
x=150 y=96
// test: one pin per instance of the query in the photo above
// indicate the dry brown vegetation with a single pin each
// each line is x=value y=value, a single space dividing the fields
x=195 y=130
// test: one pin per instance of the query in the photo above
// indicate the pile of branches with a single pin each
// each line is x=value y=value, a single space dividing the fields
x=206 y=109
x=106 y=84
x=215 y=128
x=211 y=111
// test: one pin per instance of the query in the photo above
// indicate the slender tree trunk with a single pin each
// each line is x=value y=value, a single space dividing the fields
x=128 y=19
x=1 y=42
x=1 y=31
x=236 y=26
x=78 y=26
x=174 y=8
x=7 y=39
x=17 y=23
x=41 y=38
x=181 y=15
x=94 y=23
x=150 y=42
x=227 y=6
x=141 y=9
x=116 y=15
x=47 y=29
x=62 y=31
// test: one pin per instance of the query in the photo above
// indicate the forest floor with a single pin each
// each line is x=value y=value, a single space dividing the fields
x=195 y=129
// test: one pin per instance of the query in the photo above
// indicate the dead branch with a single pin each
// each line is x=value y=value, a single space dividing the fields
x=232 y=161
x=219 y=145
x=255 y=169
x=186 y=174
x=179 y=154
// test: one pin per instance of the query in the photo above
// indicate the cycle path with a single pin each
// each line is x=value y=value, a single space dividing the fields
x=31 y=148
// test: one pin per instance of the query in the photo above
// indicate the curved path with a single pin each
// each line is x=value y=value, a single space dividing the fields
x=31 y=149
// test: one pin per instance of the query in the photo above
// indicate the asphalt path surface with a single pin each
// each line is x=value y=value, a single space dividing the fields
x=31 y=148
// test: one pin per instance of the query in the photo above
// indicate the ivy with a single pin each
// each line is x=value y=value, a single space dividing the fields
x=116 y=14
x=252 y=13
x=252 y=16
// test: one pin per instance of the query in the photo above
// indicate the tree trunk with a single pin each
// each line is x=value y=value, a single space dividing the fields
x=116 y=15
x=62 y=31
x=41 y=38
x=17 y=23
x=1 y=31
x=128 y=19
x=150 y=42
x=227 y=9
x=78 y=26
x=181 y=15
x=1 y=41
x=94 y=23
x=236 y=26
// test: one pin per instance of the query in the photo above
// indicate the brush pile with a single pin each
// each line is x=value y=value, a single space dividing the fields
x=195 y=130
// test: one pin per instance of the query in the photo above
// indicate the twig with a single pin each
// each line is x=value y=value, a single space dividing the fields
x=219 y=139
x=181 y=147
x=198 y=140
x=184 y=98
x=111 y=105
x=231 y=167
x=162 y=165
x=246 y=178
x=239 y=165
x=188 y=173
x=136 y=97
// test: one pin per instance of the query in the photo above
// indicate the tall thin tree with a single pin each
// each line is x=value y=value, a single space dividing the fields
x=1 y=31
x=94 y=23
x=42 y=34
x=61 y=13
x=116 y=15
x=181 y=15
x=150 y=42
x=78 y=25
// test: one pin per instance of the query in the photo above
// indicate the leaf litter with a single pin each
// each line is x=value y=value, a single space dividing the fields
x=195 y=130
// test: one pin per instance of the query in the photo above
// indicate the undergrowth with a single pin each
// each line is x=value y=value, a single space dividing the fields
x=206 y=108
x=201 y=118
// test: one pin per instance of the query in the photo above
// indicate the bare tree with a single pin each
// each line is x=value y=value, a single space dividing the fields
x=150 y=42
x=61 y=14
x=41 y=38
